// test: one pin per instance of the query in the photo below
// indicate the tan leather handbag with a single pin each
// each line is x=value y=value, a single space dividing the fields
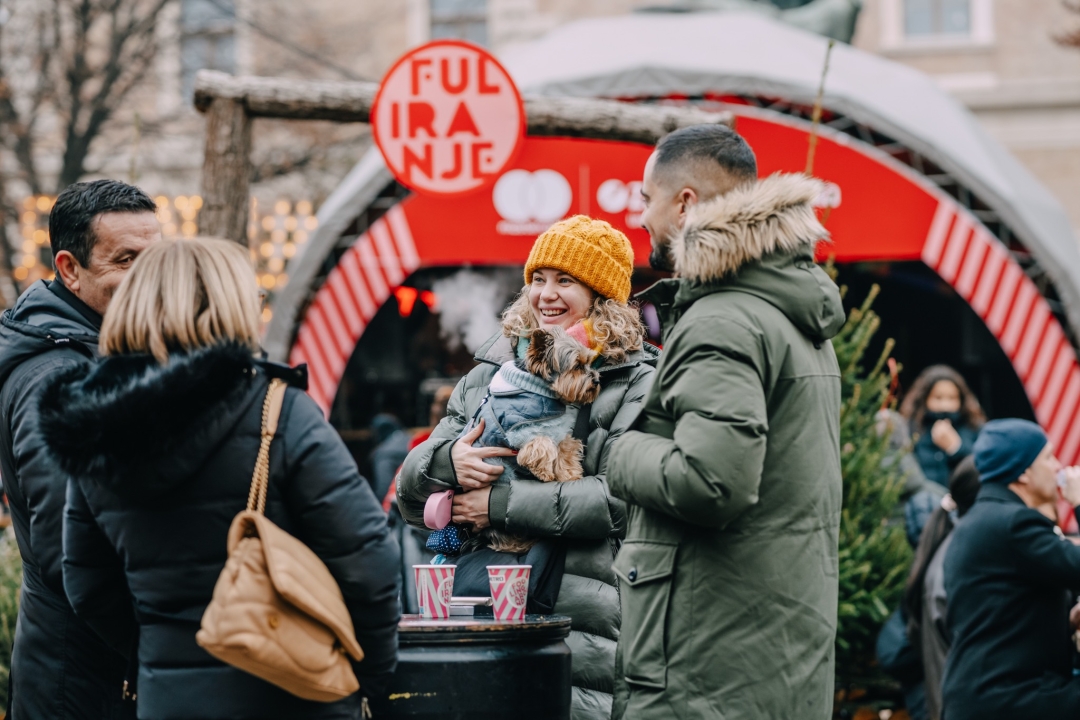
x=277 y=612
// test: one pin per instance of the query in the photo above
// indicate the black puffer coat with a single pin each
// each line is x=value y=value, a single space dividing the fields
x=60 y=669
x=161 y=460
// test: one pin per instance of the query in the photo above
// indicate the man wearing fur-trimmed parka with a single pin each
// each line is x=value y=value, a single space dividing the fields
x=731 y=473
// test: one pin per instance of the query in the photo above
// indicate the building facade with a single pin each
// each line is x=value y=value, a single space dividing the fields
x=1000 y=59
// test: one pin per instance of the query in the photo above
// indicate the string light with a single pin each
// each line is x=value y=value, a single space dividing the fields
x=275 y=234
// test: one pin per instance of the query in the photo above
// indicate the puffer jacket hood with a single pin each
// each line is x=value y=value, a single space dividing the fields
x=760 y=239
x=139 y=427
x=38 y=322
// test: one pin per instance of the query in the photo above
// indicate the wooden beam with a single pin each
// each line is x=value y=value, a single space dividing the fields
x=612 y=120
x=352 y=101
x=230 y=103
x=226 y=171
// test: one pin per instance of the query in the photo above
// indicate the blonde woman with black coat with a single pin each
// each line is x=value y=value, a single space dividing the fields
x=160 y=440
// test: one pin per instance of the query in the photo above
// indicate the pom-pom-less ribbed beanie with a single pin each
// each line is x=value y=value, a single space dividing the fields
x=591 y=250
x=1006 y=449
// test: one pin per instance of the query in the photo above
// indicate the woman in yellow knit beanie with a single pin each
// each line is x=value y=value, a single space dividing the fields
x=578 y=272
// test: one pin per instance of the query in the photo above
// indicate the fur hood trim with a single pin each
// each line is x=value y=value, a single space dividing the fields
x=772 y=215
x=139 y=427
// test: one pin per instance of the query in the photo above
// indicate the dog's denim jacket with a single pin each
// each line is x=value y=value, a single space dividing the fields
x=518 y=407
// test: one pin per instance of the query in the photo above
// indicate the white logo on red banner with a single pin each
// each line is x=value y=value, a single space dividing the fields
x=529 y=202
x=615 y=196
x=448 y=118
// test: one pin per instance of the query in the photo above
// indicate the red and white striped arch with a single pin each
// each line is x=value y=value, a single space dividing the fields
x=983 y=272
x=887 y=212
x=376 y=263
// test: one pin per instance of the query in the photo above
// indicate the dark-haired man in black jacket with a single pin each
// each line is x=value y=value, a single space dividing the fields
x=1008 y=575
x=60 y=669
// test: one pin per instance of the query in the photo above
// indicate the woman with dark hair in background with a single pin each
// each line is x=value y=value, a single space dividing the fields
x=944 y=417
x=924 y=594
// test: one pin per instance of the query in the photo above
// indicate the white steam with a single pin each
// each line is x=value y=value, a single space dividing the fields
x=469 y=307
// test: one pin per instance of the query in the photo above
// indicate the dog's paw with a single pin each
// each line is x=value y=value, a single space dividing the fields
x=568 y=462
x=539 y=457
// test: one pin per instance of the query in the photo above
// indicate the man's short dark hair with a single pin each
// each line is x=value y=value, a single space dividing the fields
x=715 y=143
x=71 y=219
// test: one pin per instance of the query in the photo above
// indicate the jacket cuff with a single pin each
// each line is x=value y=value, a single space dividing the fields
x=498 y=506
x=441 y=466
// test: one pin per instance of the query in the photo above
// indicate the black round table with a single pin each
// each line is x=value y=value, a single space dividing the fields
x=480 y=667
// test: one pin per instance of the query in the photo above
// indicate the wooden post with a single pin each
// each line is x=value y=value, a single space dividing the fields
x=226 y=171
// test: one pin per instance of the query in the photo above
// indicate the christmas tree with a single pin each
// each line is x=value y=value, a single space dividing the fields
x=874 y=553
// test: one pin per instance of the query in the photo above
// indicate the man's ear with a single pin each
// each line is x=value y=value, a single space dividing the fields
x=688 y=197
x=68 y=270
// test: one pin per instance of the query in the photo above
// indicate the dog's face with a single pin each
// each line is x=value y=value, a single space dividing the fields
x=563 y=363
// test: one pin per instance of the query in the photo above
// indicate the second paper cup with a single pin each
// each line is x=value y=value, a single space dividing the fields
x=509 y=590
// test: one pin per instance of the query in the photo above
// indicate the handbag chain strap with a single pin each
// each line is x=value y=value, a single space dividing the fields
x=260 y=478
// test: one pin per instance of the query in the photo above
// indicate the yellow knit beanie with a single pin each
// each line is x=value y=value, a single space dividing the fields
x=591 y=250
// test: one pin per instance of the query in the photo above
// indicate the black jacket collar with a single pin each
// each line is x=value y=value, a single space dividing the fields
x=139 y=427
x=997 y=492
x=88 y=313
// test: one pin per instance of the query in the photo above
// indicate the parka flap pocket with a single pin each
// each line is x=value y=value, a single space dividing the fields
x=645 y=571
x=642 y=562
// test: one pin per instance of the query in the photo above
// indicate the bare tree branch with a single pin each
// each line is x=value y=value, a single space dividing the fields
x=1070 y=38
x=64 y=74
x=93 y=94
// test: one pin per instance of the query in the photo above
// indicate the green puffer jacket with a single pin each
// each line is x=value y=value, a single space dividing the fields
x=582 y=512
x=731 y=474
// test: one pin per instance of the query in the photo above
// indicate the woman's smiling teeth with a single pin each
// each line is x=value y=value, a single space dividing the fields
x=548 y=312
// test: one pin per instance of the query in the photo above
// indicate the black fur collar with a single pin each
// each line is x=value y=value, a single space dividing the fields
x=139 y=427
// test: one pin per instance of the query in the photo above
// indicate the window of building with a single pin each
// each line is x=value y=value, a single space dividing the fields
x=207 y=39
x=937 y=17
x=459 y=19
x=936 y=23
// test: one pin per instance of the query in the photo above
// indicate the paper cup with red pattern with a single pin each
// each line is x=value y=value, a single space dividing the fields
x=509 y=590
x=434 y=588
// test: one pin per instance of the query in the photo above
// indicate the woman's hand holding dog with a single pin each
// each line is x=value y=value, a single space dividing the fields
x=471 y=508
x=469 y=466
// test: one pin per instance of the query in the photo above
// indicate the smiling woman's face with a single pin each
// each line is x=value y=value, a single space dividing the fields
x=558 y=298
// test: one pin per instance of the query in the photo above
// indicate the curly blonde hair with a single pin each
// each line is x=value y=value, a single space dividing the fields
x=617 y=326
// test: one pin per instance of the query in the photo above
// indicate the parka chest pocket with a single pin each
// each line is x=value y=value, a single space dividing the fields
x=645 y=572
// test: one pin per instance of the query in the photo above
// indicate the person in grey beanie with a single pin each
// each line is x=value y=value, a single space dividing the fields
x=1008 y=573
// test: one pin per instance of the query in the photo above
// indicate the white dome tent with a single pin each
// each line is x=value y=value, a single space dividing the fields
x=992 y=231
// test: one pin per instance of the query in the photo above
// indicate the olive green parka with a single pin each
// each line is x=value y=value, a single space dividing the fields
x=731 y=474
x=583 y=513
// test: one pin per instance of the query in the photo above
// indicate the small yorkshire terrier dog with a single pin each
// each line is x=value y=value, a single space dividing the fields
x=532 y=406
x=546 y=446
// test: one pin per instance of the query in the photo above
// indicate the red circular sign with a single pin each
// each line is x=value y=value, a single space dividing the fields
x=448 y=118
